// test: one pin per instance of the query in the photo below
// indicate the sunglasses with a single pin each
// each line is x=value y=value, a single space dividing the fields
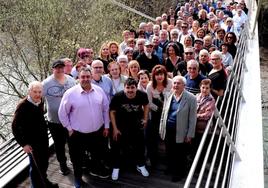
x=97 y=67
x=188 y=53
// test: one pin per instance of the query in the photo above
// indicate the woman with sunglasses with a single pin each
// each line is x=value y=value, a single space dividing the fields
x=230 y=39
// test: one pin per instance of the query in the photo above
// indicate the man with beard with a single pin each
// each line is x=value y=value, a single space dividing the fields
x=129 y=114
x=84 y=111
x=147 y=59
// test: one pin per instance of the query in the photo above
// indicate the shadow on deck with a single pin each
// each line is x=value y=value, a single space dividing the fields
x=128 y=178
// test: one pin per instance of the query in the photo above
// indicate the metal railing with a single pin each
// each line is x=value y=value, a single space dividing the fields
x=217 y=148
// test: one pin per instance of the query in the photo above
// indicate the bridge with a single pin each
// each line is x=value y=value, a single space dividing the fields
x=233 y=156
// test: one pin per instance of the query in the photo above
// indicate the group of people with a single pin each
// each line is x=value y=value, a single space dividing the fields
x=161 y=82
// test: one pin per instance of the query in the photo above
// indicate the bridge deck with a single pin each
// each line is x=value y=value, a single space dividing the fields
x=128 y=178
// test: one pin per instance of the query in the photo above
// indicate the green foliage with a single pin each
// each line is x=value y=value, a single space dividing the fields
x=35 y=32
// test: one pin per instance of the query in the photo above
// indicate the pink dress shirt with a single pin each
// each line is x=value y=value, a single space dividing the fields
x=84 y=111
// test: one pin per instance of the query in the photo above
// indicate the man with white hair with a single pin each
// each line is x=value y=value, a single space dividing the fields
x=177 y=127
x=204 y=65
x=156 y=30
x=193 y=77
x=140 y=47
x=239 y=20
x=100 y=80
x=30 y=131
x=174 y=34
x=147 y=60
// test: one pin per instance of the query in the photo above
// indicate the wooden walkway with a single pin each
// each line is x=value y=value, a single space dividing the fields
x=128 y=178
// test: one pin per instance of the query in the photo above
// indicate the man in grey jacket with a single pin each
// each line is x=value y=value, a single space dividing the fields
x=177 y=127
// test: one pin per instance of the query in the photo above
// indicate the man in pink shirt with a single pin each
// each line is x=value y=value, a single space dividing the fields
x=84 y=111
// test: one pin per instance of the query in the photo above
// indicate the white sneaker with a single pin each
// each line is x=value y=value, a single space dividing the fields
x=115 y=174
x=143 y=171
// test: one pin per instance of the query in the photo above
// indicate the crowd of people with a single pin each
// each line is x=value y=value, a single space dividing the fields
x=160 y=83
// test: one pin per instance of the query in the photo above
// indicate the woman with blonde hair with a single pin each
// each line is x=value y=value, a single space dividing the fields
x=133 y=69
x=202 y=16
x=144 y=78
x=201 y=33
x=113 y=49
x=104 y=56
x=188 y=42
x=114 y=74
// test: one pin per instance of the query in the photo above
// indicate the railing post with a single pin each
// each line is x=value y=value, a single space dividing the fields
x=226 y=134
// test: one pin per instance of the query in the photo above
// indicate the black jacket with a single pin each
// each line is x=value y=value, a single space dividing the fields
x=29 y=126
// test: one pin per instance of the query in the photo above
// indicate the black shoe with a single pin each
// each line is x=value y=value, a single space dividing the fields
x=79 y=183
x=101 y=173
x=49 y=184
x=64 y=170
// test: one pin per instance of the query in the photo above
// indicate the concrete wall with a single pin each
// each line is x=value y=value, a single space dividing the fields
x=263 y=23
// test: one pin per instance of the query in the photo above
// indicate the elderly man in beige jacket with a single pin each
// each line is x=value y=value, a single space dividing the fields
x=177 y=127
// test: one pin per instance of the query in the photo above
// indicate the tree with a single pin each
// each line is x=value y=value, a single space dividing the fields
x=35 y=32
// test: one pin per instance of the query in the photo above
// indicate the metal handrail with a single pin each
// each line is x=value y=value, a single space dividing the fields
x=232 y=100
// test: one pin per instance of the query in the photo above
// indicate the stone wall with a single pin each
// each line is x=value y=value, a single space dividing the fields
x=263 y=24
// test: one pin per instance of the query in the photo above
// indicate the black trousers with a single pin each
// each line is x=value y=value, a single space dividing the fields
x=152 y=137
x=130 y=142
x=60 y=137
x=176 y=153
x=38 y=166
x=81 y=142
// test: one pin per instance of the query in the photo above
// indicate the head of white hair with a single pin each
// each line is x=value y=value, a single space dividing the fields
x=203 y=51
x=95 y=62
x=217 y=53
x=34 y=84
x=193 y=62
x=181 y=78
x=122 y=57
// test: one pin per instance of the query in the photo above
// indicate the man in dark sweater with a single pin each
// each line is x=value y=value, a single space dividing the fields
x=148 y=59
x=30 y=131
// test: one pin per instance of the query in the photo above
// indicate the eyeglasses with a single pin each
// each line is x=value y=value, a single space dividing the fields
x=230 y=37
x=97 y=67
x=192 y=68
x=174 y=34
x=83 y=77
x=184 y=27
x=188 y=53
x=215 y=59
